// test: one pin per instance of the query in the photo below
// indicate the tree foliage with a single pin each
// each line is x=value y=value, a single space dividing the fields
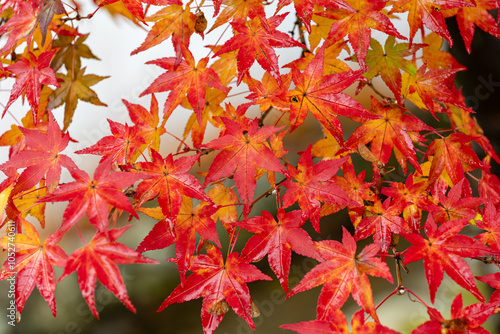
x=428 y=181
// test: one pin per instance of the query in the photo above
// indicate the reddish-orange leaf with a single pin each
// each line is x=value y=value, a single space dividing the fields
x=267 y=93
x=381 y=221
x=462 y=320
x=237 y=11
x=444 y=251
x=135 y=6
x=478 y=15
x=171 y=21
x=458 y=204
x=122 y=147
x=429 y=86
x=313 y=185
x=277 y=239
x=393 y=131
x=41 y=157
x=428 y=12
x=215 y=280
x=342 y=273
x=324 y=97
x=20 y=25
x=184 y=79
x=255 y=41
x=32 y=72
x=182 y=233
x=491 y=223
x=453 y=155
x=244 y=149
x=33 y=263
x=168 y=180
x=94 y=196
x=337 y=324
x=358 y=22
x=97 y=260
x=147 y=121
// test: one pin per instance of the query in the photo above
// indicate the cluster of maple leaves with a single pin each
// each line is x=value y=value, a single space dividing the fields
x=441 y=185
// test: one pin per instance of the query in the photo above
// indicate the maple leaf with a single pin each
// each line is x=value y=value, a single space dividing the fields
x=94 y=196
x=462 y=320
x=182 y=233
x=323 y=96
x=41 y=158
x=172 y=21
x=444 y=251
x=255 y=42
x=74 y=87
x=215 y=281
x=314 y=185
x=70 y=50
x=184 y=79
x=434 y=56
x=389 y=61
x=97 y=260
x=454 y=155
x=20 y=25
x=267 y=93
x=122 y=147
x=394 y=130
x=342 y=273
x=337 y=324
x=226 y=199
x=244 y=148
x=429 y=85
x=34 y=263
x=491 y=223
x=147 y=123
x=358 y=22
x=459 y=204
x=237 y=11
x=382 y=221
x=427 y=12
x=277 y=239
x=135 y=6
x=169 y=180
x=470 y=17
x=411 y=197
x=32 y=72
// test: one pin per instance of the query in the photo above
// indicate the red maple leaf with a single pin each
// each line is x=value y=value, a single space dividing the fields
x=122 y=147
x=491 y=223
x=41 y=157
x=182 y=233
x=94 y=196
x=393 y=131
x=454 y=155
x=459 y=204
x=20 y=25
x=244 y=149
x=97 y=260
x=323 y=96
x=428 y=12
x=34 y=263
x=444 y=251
x=216 y=281
x=337 y=324
x=277 y=239
x=32 y=72
x=343 y=272
x=256 y=40
x=184 y=79
x=462 y=320
x=383 y=220
x=358 y=22
x=168 y=180
x=313 y=185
